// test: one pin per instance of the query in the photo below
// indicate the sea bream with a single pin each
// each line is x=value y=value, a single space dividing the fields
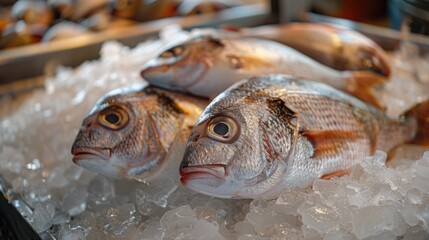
x=274 y=132
x=138 y=133
x=339 y=48
x=205 y=66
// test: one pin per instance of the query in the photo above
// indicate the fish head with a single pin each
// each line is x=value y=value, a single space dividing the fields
x=183 y=64
x=238 y=147
x=372 y=58
x=127 y=134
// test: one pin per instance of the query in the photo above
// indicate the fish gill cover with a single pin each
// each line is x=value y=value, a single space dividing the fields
x=64 y=201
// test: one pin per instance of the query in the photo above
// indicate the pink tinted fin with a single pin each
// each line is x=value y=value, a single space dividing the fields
x=328 y=143
x=361 y=84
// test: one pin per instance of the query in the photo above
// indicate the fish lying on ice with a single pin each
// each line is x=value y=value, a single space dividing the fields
x=137 y=133
x=339 y=48
x=205 y=66
x=274 y=132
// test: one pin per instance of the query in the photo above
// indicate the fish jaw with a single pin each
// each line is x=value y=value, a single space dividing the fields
x=83 y=153
x=201 y=172
x=177 y=76
x=98 y=160
x=208 y=179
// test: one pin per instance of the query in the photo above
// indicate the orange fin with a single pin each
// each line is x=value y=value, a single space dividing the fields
x=335 y=174
x=329 y=142
x=361 y=84
x=420 y=113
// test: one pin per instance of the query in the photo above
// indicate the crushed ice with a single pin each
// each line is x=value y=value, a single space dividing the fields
x=63 y=201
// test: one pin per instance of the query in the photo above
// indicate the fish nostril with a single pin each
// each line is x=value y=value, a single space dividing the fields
x=183 y=164
x=194 y=138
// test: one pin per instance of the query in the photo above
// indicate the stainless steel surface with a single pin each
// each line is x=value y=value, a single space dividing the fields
x=30 y=61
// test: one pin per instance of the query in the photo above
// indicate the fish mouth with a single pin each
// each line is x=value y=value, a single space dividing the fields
x=216 y=171
x=85 y=153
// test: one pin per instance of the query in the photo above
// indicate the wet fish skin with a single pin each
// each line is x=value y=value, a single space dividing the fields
x=284 y=133
x=337 y=47
x=205 y=66
x=136 y=133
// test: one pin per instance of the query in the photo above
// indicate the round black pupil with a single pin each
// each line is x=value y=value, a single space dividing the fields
x=112 y=118
x=221 y=129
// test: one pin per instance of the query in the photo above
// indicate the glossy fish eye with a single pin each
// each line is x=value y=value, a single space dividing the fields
x=223 y=129
x=113 y=118
x=173 y=52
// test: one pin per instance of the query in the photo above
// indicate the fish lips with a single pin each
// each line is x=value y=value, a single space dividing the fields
x=213 y=174
x=86 y=153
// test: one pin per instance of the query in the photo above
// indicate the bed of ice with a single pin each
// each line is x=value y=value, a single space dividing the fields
x=64 y=201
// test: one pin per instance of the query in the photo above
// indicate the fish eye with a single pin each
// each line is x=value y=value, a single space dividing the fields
x=173 y=52
x=113 y=118
x=223 y=129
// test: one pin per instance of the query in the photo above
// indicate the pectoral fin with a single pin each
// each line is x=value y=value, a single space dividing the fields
x=329 y=143
x=361 y=84
x=335 y=174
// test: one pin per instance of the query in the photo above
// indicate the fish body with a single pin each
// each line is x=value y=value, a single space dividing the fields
x=137 y=133
x=339 y=48
x=205 y=66
x=274 y=132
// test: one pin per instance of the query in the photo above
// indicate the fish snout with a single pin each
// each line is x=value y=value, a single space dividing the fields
x=212 y=171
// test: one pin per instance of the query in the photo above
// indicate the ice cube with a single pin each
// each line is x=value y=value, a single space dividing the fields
x=56 y=178
x=119 y=218
x=73 y=173
x=41 y=219
x=290 y=200
x=319 y=217
x=424 y=217
x=410 y=212
x=100 y=189
x=310 y=233
x=339 y=235
x=60 y=218
x=205 y=230
x=152 y=230
x=385 y=235
x=96 y=234
x=252 y=237
x=74 y=202
x=206 y=213
x=373 y=220
x=416 y=233
x=72 y=234
x=178 y=217
x=158 y=192
x=11 y=159
x=244 y=227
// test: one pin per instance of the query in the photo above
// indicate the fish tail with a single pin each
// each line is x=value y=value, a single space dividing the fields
x=420 y=114
x=361 y=84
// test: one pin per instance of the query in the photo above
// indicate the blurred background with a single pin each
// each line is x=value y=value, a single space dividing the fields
x=37 y=35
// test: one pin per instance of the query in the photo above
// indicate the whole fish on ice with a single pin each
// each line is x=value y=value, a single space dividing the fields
x=274 y=132
x=137 y=132
x=205 y=66
x=339 y=48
